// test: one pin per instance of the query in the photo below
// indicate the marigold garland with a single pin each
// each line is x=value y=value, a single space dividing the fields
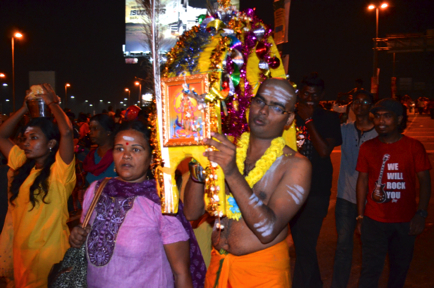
x=261 y=167
x=264 y=163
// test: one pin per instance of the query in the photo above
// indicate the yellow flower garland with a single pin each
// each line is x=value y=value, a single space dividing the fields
x=264 y=163
x=261 y=167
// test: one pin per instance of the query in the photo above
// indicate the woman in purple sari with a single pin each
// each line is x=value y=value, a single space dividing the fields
x=129 y=242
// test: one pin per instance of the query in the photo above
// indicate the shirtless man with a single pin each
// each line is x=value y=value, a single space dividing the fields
x=252 y=251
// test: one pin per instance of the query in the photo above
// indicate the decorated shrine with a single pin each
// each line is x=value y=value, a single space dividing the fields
x=209 y=78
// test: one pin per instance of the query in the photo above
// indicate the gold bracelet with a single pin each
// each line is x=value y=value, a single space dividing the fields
x=359 y=217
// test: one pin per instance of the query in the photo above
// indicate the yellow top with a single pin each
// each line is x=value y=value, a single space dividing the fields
x=41 y=234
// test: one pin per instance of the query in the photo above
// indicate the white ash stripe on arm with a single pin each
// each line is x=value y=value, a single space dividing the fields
x=255 y=200
x=296 y=192
x=264 y=227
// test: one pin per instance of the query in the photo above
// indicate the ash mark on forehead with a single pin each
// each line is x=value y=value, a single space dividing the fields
x=280 y=89
x=279 y=93
x=128 y=138
x=30 y=129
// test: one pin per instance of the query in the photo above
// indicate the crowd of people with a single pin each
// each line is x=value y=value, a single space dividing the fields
x=343 y=104
x=277 y=189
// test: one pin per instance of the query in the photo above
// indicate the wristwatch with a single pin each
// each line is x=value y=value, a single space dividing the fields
x=422 y=213
x=197 y=173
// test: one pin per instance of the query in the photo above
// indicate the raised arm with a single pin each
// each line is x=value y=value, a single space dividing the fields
x=194 y=204
x=265 y=221
x=339 y=108
x=66 y=145
x=8 y=128
x=324 y=146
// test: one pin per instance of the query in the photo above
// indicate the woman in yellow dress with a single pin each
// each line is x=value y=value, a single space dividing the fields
x=44 y=179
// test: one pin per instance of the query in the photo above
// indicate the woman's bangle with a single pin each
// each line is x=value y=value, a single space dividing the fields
x=359 y=217
x=307 y=120
x=52 y=102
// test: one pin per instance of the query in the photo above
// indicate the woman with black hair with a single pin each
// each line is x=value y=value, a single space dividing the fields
x=44 y=179
x=99 y=162
x=129 y=242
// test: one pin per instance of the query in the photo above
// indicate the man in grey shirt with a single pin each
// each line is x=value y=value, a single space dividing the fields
x=353 y=135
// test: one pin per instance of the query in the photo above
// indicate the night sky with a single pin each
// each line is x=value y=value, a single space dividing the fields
x=82 y=41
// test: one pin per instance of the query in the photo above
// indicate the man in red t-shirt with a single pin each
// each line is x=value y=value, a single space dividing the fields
x=389 y=217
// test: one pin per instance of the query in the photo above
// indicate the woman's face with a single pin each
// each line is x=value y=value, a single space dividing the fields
x=98 y=135
x=132 y=156
x=35 y=144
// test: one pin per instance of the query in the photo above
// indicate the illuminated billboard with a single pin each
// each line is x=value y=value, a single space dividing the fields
x=176 y=16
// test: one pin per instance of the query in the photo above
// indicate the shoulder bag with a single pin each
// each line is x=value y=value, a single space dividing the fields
x=71 y=272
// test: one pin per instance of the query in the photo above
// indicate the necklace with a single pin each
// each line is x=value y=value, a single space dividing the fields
x=262 y=165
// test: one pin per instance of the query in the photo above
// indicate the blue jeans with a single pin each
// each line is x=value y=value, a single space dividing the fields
x=346 y=213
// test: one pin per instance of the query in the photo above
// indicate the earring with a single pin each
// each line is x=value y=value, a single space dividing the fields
x=114 y=169
x=50 y=149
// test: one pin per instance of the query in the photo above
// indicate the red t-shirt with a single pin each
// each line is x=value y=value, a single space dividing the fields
x=393 y=198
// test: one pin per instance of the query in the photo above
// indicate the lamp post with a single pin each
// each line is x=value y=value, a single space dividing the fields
x=16 y=35
x=129 y=93
x=2 y=75
x=374 y=81
x=66 y=91
x=138 y=83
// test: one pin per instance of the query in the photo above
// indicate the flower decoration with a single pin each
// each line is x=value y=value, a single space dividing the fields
x=237 y=51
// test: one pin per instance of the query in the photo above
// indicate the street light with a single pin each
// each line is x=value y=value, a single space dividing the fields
x=374 y=81
x=66 y=95
x=137 y=83
x=129 y=93
x=16 y=35
x=2 y=75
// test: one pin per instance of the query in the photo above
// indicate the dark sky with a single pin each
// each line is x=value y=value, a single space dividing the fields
x=82 y=41
x=334 y=38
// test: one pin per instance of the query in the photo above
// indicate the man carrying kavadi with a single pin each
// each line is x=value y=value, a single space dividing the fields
x=269 y=182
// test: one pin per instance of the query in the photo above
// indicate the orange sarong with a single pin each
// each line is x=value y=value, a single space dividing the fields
x=266 y=268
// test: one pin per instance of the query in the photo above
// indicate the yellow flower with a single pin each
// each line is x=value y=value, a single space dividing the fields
x=261 y=167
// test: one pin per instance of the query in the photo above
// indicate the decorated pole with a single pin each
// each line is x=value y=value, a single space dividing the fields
x=169 y=200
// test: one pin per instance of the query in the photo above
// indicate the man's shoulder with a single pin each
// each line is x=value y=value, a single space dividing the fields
x=294 y=159
x=410 y=139
x=412 y=142
x=349 y=126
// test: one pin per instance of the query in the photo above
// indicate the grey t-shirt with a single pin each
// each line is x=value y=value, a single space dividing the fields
x=351 y=141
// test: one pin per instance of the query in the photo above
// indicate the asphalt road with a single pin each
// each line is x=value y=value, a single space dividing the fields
x=421 y=273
